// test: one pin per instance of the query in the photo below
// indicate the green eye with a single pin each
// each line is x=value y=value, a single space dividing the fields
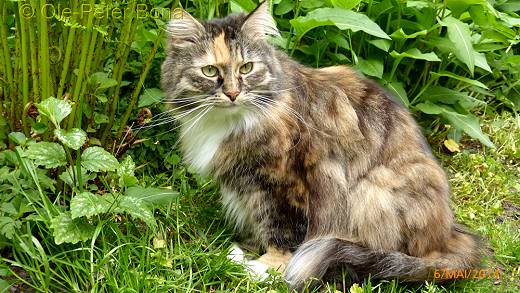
x=210 y=70
x=246 y=68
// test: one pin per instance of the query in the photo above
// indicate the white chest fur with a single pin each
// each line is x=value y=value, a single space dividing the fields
x=201 y=141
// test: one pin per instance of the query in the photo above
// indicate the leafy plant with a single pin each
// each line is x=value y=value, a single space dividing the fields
x=80 y=207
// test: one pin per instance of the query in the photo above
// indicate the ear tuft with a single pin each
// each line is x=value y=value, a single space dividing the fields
x=260 y=23
x=183 y=29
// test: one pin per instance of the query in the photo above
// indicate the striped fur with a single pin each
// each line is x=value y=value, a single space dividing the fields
x=321 y=163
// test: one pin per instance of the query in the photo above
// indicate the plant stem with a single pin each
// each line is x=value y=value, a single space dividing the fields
x=25 y=70
x=137 y=90
x=44 y=53
x=76 y=95
x=124 y=50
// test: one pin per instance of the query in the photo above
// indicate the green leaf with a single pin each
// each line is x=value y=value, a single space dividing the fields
x=465 y=122
x=460 y=6
x=136 y=208
x=381 y=44
x=459 y=34
x=415 y=54
x=397 y=90
x=284 y=7
x=87 y=205
x=74 y=138
x=125 y=171
x=401 y=35
x=18 y=138
x=9 y=226
x=481 y=62
x=343 y=19
x=48 y=154
x=242 y=5
x=449 y=96
x=67 y=230
x=150 y=97
x=101 y=81
x=311 y=4
x=100 y=118
x=345 y=4
x=153 y=197
x=460 y=78
x=55 y=110
x=96 y=159
x=469 y=124
x=370 y=67
x=429 y=108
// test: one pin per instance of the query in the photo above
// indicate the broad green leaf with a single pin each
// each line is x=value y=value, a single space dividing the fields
x=461 y=78
x=419 y=4
x=465 y=122
x=429 y=108
x=401 y=35
x=18 y=138
x=100 y=118
x=371 y=67
x=311 y=4
x=48 y=154
x=74 y=138
x=125 y=171
x=55 y=110
x=67 y=230
x=343 y=19
x=153 y=197
x=415 y=54
x=9 y=226
x=284 y=7
x=150 y=97
x=136 y=208
x=460 y=6
x=397 y=90
x=381 y=44
x=459 y=34
x=87 y=205
x=345 y=4
x=480 y=61
x=96 y=159
x=242 y=5
x=449 y=96
x=101 y=81
x=469 y=124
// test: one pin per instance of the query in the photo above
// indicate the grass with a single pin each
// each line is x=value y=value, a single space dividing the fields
x=188 y=250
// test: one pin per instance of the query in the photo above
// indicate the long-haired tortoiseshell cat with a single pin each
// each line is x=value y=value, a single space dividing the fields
x=319 y=168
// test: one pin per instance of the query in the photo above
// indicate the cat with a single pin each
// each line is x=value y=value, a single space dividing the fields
x=319 y=168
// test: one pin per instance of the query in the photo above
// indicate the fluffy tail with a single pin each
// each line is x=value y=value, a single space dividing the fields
x=319 y=257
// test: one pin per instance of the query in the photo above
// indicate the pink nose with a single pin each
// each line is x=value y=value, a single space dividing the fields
x=232 y=95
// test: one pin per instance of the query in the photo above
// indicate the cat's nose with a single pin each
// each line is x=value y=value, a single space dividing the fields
x=232 y=95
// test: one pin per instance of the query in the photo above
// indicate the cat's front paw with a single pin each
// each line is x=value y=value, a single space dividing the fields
x=257 y=270
x=236 y=254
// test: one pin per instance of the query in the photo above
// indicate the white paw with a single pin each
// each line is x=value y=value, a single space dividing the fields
x=257 y=269
x=236 y=254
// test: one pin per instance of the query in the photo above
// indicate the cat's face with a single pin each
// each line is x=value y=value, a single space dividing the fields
x=225 y=64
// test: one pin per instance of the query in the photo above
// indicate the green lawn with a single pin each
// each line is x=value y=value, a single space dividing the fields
x=187 y=252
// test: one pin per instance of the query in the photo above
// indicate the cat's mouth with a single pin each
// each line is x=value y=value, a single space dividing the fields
x=227 y=105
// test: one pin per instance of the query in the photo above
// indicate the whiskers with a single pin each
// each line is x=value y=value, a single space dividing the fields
x=263 y=103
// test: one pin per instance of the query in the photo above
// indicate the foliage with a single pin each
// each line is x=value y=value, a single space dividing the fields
x=79 y=207
x=74 y=209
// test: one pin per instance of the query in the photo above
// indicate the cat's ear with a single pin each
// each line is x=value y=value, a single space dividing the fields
x=260 y=23
x=183 y=29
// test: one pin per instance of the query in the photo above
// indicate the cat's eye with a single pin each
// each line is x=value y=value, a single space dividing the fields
x=246 y=68
x=210 y=70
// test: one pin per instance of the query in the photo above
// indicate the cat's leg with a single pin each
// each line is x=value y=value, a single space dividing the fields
x=280 y=228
